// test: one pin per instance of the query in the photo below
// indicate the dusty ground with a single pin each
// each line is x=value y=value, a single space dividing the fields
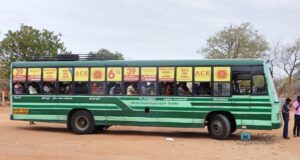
x=18 y=140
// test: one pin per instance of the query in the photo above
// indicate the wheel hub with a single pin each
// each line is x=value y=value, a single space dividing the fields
x=82 y=123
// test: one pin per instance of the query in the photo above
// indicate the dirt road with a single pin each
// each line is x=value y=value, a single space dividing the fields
x=52 y=141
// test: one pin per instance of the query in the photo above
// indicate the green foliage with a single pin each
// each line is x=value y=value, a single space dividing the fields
x=236 y=42
x=104 y=54
x=28 y=44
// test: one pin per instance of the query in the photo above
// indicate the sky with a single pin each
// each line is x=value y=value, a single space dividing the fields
x=150 y=29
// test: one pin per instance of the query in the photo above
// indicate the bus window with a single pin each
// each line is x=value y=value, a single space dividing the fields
x=202 y=88
x=131 y=78
x=202 y=78
x=97 y=78
x=222 y=76
x=166 y=79
x=65 y=80
x=184 y=77
x=114 y=88
x=49 y=79
x=148 y=81
x=259 y=85
x=19 y=79
x=222 y=89
x=34 y=80
x=241 y=83
x=81 y=78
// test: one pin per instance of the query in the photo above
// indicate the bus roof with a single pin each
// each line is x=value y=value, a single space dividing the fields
x=137 y=63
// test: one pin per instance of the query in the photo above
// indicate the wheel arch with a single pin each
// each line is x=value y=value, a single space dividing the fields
x=229 y=115
x=74 y=110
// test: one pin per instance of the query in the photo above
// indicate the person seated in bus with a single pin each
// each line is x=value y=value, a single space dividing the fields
x=167 y=91
x=97 y=89
x=68 y=89
x=18 y=88
x=131 y=90
x=94 y=89
x=183 y=90
x=151 y=88
x=32 y=89
x=144 y=89
x=204 y=88
x=47 y=88
x=115 y=90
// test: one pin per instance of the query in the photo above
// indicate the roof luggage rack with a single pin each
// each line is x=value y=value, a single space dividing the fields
x=72 y=57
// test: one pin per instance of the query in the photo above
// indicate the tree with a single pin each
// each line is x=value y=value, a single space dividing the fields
x=104 y=54
x=289 y=60
x=236 y=42
x=27 y=44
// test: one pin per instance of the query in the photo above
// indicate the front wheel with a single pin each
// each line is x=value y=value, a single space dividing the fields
x=82 y=122
x=219 y=127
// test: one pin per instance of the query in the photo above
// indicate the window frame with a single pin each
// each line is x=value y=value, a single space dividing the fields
x=213 y=80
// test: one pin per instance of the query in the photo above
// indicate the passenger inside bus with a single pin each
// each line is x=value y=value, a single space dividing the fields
x=19 y=88
x=151 y=88
x=183 y=90
x=131 y=89
x=68 y=89
x=48 y=88
x=144 y=89
x=115 y=89
x=32 y=88
x=203 y=88
x=98 y=89
x=167 y=88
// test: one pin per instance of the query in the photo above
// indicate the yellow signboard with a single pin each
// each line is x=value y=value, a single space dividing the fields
x=49 y=74
x=148 y=74
x=166 y=74
x=97 y=74
x=34 y=74
x=81 y=74
x=114 y=74
x=131 y=74
x=184 y=74
x=202 y=74
x=19 y=74
x=222 y=74
x=65 y=74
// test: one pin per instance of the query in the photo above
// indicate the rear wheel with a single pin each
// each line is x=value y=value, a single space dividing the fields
x=82 y=122
x=219 y=127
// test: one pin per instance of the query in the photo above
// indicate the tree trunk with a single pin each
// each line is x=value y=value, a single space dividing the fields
x=289 y=85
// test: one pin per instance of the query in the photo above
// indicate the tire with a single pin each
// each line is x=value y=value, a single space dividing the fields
x=82 y=122
x=233 y=129
x=219 y=127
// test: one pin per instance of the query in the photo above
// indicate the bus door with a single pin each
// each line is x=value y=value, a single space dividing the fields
x=241 y=94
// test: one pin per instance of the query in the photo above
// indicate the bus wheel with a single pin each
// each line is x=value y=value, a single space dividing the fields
x=82 y=122
x=219 y=127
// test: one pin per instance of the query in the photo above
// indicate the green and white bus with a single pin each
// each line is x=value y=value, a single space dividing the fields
x=90 y=95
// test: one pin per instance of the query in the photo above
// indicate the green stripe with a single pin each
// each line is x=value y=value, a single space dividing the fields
x=148 y=119
x=40 y=117
x=253 y=122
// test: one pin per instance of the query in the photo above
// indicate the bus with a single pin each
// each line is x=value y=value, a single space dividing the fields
x=222 y=95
